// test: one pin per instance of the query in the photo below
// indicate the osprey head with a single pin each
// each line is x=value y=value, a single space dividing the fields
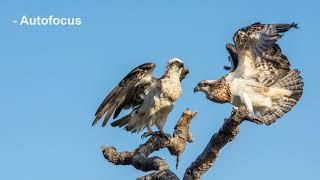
x=215 y=90
x=204 y=86
x=177 y=66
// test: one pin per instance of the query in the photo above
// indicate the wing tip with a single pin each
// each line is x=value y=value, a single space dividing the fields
x=256 y=23
x=227 y=68
x=95 y=122
x=104 y=123
x=294 y=25
x=229 y=45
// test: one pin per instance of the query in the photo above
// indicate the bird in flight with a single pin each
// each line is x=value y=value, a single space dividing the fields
x=151 y=99
x=260 y=77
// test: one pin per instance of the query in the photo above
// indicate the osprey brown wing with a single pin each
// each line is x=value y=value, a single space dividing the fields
x=260 y=39
x=233 y=58
x=124 y=95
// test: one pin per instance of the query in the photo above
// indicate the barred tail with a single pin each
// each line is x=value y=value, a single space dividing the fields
x=292 y=82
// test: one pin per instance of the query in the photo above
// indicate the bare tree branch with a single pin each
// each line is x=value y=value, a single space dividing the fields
x=176 y=145
x=227 y=133
x=139 y=157
x=165 y=174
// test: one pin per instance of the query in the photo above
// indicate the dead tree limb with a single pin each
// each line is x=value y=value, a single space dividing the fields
x=176 y=145
x=227 y=133
x=139 y=157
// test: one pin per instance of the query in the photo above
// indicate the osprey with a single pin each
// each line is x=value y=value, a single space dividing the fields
x=150 y=99
x=260 y=77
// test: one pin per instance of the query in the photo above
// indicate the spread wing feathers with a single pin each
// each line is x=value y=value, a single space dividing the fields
x=122 y=121
x=233 y=58
x=134 y=122
x=292 y=82
x=259 y=38
x=274 y=54
x=269 y=72
x=273 y=57
x=128 y=93
x=258 y=54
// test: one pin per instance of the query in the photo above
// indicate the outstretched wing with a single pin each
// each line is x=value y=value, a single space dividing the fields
x=258 y=53
x=129 y=93
x=274 y=54
x=258 y=38
x=260 y=59
x=268 y=72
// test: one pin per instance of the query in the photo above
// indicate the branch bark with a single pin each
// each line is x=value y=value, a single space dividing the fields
x=139 y=157
x=226 y=133
x=176 y=145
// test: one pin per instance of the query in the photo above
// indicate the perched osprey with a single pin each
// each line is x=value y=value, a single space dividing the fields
x=151 y=99
x=260 y=77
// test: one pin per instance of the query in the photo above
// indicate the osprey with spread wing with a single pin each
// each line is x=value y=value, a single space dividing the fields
x=150 y=99
x=260 y=77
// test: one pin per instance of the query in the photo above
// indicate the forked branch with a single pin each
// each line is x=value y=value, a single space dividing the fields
x=176 y=145
x=139 y=157
x=226 y=133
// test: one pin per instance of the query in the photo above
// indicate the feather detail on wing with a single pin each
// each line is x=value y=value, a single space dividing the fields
x=259 y=38
x=129 y=93
x=274 y=54
x=291 y=82
x=258 y=54
x=268 y=72
x=261 y=63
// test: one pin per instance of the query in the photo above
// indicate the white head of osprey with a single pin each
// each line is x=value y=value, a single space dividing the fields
x=51 y=20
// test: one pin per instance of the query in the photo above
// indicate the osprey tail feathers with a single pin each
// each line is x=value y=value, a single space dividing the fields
x=130 y=123
x=292 y=82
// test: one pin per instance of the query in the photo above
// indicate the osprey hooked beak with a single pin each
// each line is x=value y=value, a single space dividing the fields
x=203 y=85
x=184 y=73
x=198 y=87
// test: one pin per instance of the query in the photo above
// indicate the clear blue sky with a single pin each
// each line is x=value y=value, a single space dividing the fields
x=54 y=78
